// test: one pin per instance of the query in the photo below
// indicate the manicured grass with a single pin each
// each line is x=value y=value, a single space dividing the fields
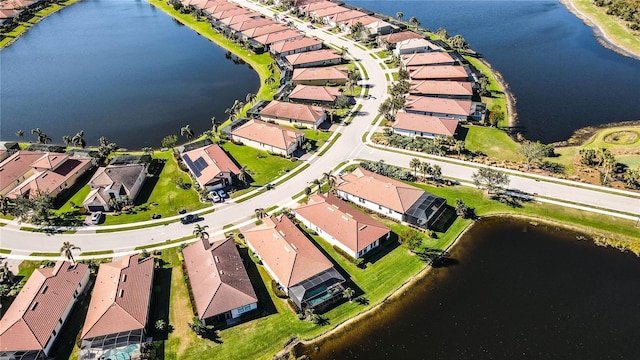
x=95 y=253
x=331 y=144
x=497 y=96
x=77 y=199
x=382 y=54
x=264 y=169
x=5 y=251
x=45 y=254
x=492 y=142
x=632 y=161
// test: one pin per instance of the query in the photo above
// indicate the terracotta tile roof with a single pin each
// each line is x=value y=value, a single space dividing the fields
x=441 y=87
x=317 y=5
x=425 y=123
x=34 y=314
x=318 y=73
x=329 y=11
x=198 y=3
x=429 y=58
x=315 y=93
x=292 y=45
x=400 y=36
x=227 y=13
x=7 y=13
x=269 y=134
x=287 y=251
x=262 y=30
x=344 y=223
x=273 y=37
x=233 y=20
x=313 y=56
x=219 y=281
x=438 y=105
x=417 y=44
x=438 y=72
x=379 y=189
x=287 y=110
x=121 y=297
x=252 y=23
x=346 y=16
x=213 y=161
x=221 y=6
x=364 y=20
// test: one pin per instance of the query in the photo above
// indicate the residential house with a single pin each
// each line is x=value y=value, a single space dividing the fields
x=269 y=137
x=263 y=30
x=443 y=89
x=439 y=72
x=119 y=307
x=211 y=166
x=315 y=58
x=27 y=173
x=342 y=225
x=320 y=15
x=293 y=114
x=288 y=47
x=392 y=39
x=119 y=182
x=459 y=109
x=319 y=76
x=310 y=7
x=380 y=27
x=227 y=13
x=325 y=95
x=3 y=155
x=335 y=19
x=294 y=262
x=250 y=24
x=417 y=125
x=288 y=34
x=411 y=46
x=364 y=20
x=219 y=282
x=33 y=322
x=226 y=24
x=428 y=58
x=391 y=198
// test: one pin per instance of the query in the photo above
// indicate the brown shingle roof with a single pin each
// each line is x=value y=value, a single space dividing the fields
x=318 y=73
x=266 y=133
x=436 y=72
x=292 y=45
x=120 y=298
x=343 y=222
x=219 y=281
x=438 y=105
x=315 y=93
x=34 y=314
x=441 y=87
x=379 y=189
x=312 y=56
x=400 y=36
x=287 y=251
x=429 y=58
x=287 y=110
x=215 y=162
x=425 y=123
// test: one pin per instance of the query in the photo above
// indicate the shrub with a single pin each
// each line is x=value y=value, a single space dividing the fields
x=277 y=291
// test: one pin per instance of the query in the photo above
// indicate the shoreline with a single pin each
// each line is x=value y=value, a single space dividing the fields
x=509 y=98
x=599 y=33
x=593 y=236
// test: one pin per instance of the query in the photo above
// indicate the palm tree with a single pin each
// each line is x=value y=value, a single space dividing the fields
x=425 y=168
x=399 y=15
x=414 y=22
x=243 y=175
x=260 y=213
x=20 y=134
x=415 y=164
x=186 y=131
x=436 y=171
x=329 y=179
x=201 y=231
x=78 y=139
x=459 y=146
x=42 y=137
x=348 y=293
x=66 y=248
x=148 y=150
x=250 y=97
x=68 y=140
x=214 y=125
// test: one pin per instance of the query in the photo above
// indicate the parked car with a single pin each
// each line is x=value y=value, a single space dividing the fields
x=222 y=194
x=189 y=218
x=96 y=217
x=213 y=195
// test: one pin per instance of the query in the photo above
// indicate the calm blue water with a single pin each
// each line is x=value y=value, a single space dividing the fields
x=120 y=69
x=562 y=77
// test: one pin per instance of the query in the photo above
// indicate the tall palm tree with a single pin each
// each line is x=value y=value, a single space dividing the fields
x=67 y=248
x=250 y=97
x=330 y=179
x=436 y=171
x=148 y=150
x=399 y=15
x=415 y=164
x=201 y=231
x=42 y=137
x=68 y=140
x=415 y=22
x=20 y=134
x=459 y=146
x=243 y=175
x=425 y=168
x=348 y=293
x=260 y=213
x=186 y=131
x=78 y=139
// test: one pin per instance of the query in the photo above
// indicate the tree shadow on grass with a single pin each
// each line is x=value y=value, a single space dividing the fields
x=150 y=183
x=266 y=306
x=437 y=258
x=160 y=304
x=70 y=333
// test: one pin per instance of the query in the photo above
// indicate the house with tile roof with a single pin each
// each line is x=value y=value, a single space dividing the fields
x=288 y=113
x=459 y=109
x=30 y=326
x=119 y=307
x=274 y=37
x=336 y=19
x=417 y=125
x=211 y=166
x=249 y=24
x=390 y=197
x=227 y=13
x=262 y=30
x=309 y=7
x=320 y=76
x=342 y=225
x=218 y=280
x=325 y=95
x=27 y=173
x=118 y=182
x=225 y=24
x=392 y=39
x=320 y=15
x=364 y=20
x=288 y=47
x=323 y=57
x=439 y=72
x=411 y=46
x=427 y=59
x=442 y=89
x=295 y=263
x=268 y=137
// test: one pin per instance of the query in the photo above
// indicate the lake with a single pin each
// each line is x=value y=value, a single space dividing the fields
x=119 y=68
x=513 y=291
x=562 y=77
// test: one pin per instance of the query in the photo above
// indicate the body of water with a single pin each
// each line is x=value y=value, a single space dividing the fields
x=562 y=77
x=119 y=68
x=512 y=291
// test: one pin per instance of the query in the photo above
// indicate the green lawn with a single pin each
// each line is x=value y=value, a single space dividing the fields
x=497 y=96
x=492 y=142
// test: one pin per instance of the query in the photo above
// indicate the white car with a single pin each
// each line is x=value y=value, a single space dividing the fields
x=96 y=217
x=214 y=196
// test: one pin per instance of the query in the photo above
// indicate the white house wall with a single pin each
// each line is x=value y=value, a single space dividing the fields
x=327 y=237
x=370 y=205
x=260 y=146
x=241 y=310
x=413 y=133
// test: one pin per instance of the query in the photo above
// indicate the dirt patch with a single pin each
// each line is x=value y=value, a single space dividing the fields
x=622 y=138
